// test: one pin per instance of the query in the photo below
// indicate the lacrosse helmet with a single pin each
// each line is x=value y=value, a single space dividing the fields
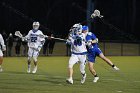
x=36 y=25
x=85 y=29
x=77 y=28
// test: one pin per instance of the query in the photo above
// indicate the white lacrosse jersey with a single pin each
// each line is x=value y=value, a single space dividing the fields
x=34 y=39
x=78 y=45
x=1 y=41
x=2 y=45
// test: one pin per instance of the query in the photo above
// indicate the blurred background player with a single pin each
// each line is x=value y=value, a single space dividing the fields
x=17 y=46
x=51 y=44
x=2 y=48
x=24 y=43
x=93 y=51
x=35 y=43
x=78 y=52
x=10 y=41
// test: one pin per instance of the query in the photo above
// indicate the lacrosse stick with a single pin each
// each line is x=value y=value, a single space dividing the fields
x=17 y=33
x=45 y=36
x=96 y=13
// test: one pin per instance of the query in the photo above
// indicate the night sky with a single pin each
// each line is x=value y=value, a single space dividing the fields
x=121 y=17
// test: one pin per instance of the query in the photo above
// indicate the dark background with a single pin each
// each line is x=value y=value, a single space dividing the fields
x=120 y=22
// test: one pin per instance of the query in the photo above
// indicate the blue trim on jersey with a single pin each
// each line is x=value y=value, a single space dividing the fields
x=83 y=53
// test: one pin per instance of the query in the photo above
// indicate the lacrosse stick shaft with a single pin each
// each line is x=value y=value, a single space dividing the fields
x=55 y=38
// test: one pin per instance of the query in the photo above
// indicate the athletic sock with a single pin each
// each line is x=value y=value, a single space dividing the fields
x=70 y=78
x=29 y=66
x=96 y=75
x=113 y=65
x=83 y=74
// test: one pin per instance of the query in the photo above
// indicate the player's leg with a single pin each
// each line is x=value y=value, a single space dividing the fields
x=82 y=67
x=29 y=60
x=91 y=61
x=35 y=64
x=35 y=56
x=108 y=61
x=1 y=60
x=73 y=59
x=93 y=72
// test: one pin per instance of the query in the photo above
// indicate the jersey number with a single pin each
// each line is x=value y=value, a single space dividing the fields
x=33 y=39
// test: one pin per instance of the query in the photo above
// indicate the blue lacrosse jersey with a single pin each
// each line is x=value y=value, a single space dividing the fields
x=93 y=49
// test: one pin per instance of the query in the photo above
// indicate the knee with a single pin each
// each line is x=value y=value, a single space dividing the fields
x=29 y=59
x=70 y=66
x=90 y=68
x=35 y=59
x=82 y=68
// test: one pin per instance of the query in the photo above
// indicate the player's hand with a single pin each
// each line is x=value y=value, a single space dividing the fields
x=24 y=39
x=68 y=41
x=4 y=48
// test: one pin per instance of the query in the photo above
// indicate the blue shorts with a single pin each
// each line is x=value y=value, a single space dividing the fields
x=92 y=53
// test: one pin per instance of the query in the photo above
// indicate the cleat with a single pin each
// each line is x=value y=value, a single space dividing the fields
x=95 y=79
x=83 y=79
x=28 y=70
x=1 y=70
x=34 y=70
x=116 y=68
x=69 y=81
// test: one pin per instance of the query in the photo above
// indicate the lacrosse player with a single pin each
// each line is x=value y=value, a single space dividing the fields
x=2 y=48
x=93 y=51
x=35 y=43
x=78 y=52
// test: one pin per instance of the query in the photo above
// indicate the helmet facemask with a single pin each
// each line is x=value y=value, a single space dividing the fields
x=36 y=25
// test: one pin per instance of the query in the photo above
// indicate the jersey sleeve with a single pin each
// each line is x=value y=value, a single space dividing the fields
x=1 y=40
x=93 y=36
x=41 y=38
x=2 y=43
x=28 y=35
x=90 y=37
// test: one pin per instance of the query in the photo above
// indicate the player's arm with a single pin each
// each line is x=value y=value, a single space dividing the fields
x=27 y=37
x=94 y=38
x=41 y=40
x=2 y=43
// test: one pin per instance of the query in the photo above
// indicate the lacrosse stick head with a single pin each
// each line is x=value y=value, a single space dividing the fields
x=97 y=12
x=17 y=33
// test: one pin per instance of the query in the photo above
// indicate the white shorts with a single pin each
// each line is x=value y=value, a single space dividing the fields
x=75 y=58
x=33 y=53
x=1 y=53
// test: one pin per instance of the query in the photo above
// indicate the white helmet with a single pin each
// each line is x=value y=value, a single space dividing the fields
x=36 y=25
x=77 y=28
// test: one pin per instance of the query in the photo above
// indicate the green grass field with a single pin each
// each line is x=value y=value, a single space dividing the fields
x=52 y=73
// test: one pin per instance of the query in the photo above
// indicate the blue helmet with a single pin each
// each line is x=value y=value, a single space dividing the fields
x=84 y=27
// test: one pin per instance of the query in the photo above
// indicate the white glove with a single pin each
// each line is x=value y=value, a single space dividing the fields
x=68 y=41
x=89 y=44
x=24 y=39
